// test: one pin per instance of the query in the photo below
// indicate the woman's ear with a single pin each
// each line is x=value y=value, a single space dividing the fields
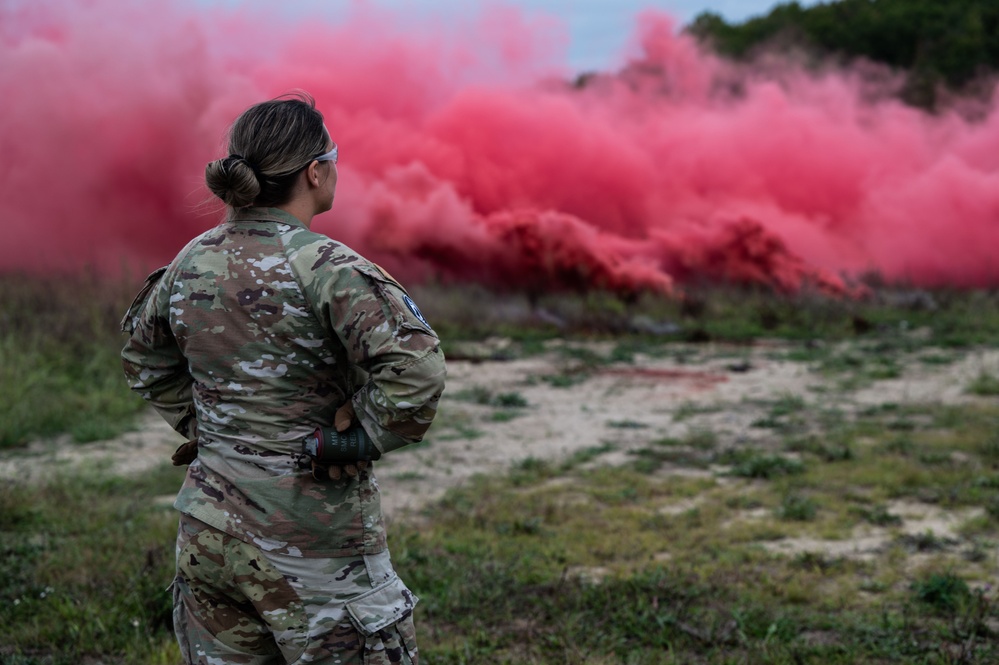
x=312 y=174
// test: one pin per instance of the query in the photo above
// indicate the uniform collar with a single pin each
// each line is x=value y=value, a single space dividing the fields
x=252 y=214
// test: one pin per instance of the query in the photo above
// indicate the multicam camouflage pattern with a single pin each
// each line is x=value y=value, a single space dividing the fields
x=252 y=338
x=234 y=603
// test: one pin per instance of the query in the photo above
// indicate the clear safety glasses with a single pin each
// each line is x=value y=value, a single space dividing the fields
x=327 y=157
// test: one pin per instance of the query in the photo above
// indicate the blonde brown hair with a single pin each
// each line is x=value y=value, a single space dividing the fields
x=269 y=144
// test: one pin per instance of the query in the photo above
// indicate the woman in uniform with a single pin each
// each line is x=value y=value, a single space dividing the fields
x=259 y=333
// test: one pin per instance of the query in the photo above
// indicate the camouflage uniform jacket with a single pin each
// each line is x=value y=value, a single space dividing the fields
x=254 y=335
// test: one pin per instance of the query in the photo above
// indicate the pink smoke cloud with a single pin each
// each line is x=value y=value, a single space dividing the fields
x=470 y=154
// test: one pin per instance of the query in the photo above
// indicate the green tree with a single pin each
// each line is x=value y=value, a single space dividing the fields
x=949 y=44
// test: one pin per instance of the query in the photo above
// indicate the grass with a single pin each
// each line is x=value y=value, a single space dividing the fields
x=984 y=384
x=755 y=465
x=573 y=560
x=59 y=342
x=59 y=367
x=85 y=560
x=614 y=565
x=570 y=576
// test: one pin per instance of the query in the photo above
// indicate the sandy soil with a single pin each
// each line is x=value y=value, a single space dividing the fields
x=720 y=388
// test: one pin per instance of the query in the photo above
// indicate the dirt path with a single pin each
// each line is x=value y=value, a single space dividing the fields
x=616 y=407
x=624 y=406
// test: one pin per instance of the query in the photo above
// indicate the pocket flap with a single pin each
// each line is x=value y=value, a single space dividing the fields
x=382 y=606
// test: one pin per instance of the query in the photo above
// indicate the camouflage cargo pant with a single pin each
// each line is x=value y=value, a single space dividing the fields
x=234 y=603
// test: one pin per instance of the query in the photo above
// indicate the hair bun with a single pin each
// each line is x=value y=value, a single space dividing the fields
x=234 y=180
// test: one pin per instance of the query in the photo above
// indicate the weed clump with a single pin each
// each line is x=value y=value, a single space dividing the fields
x=766 y=467
x=944 y=592
x=984 y=385
x=797 y=508
x=879 y=516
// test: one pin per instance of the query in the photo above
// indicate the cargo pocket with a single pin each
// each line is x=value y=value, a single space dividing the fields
x=384 y=618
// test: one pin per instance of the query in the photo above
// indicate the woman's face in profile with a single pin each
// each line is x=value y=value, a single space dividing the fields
x=327 y=185
x=331 y=179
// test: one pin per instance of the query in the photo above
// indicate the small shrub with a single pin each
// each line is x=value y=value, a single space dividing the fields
x=935 y=458
x=816 y=561
x=701 y=439
x=797 y=508
x=587 y=454
x=626 y=424
x=984 y=385
x=786 y=405
x=504 y=416
x=989 y=451
x=689 y=409
x=530 y=470
x=944 y=592
x=651 y=460
x=565 y=379
x=900 y=446
x=938 y=358
x=988 y=482
x=925 y=542
x=901 y=425
x=826 y=452
x=510 y=401
x=879 y=516
x=992 y=507
x=766 y=467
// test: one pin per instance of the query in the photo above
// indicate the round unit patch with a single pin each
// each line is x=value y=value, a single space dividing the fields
x=415 y=310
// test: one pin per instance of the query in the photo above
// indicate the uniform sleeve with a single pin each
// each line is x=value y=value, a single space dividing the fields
x=153 y=363
x=385 y=334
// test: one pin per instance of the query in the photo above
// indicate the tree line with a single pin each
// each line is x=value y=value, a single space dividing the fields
x=941 y=45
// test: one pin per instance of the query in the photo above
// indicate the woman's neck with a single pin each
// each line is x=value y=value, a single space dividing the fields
x=302 y=210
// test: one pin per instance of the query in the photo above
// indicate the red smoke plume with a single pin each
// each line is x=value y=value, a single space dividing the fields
x=468 y=153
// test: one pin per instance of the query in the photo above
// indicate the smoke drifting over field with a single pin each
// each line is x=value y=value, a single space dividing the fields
x=477 y=157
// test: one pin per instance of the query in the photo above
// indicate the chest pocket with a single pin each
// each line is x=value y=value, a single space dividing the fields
x=130 y=321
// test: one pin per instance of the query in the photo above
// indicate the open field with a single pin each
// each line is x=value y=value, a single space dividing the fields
x=738 y=478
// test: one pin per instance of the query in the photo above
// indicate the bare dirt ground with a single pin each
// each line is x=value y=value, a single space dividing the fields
x=719 y=388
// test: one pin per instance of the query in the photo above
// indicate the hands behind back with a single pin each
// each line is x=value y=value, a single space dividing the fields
x=342 y=421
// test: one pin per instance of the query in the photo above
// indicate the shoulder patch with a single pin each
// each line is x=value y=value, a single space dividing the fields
x=415 y=310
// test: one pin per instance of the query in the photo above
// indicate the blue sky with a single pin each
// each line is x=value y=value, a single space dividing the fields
x=598 y=29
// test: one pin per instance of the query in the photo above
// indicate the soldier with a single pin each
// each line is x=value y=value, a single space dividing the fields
x=259 y=332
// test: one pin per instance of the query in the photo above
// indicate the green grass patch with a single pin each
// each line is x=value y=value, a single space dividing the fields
x=60 y=370
x=85 y=562
x=798 y=508
x=690 y=410
x=568 y=573
x=586 y=455
x=985 y=384
x=605 y=565
x=626 y=424
x=766 y=467
x=566 y=561
x=944 y=592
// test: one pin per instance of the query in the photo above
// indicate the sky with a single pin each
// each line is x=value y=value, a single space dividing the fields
x=597 y=30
